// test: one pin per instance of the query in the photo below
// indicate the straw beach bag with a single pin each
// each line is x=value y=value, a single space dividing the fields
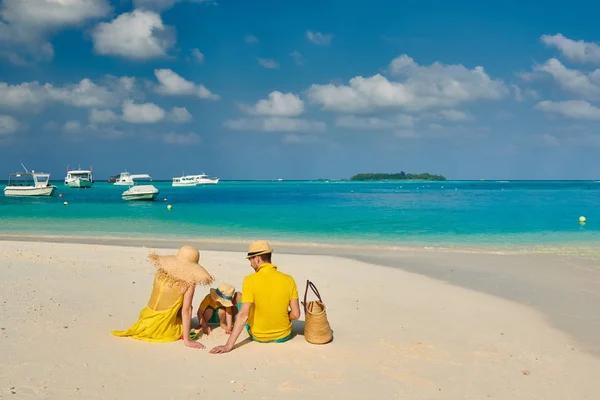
x=316 y=325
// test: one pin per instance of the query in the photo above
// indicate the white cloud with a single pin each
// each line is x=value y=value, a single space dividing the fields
x=528 y=76
x=455 y=115
x=26 y=25
x=319 y=38
x=577 y=51
x=298 y=59
x=572 y=80
x=182 y=138
x=137 y=35
x=77 y=131
x=53 y=13
x=374 y=123
x=422 y=87
x=275 y=124
x=268 y=63
x=83 y=94
x=72 y=126
x=102 y=116
x=576 y=109
x=198 y=56
x=8 y=125
x=278 y=105
x=172 y=84
x=406 y=134
x=293 y=138
x=250 y=39
x=522 y=95
x=160 y=5
x=180 y=115
x=547 y=140
x=147 y=113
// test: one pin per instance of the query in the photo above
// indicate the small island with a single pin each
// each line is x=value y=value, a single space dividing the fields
x=401 y=176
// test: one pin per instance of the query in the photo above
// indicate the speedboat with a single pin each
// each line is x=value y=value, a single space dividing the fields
x=203 y=179
x=184 y=181
x=126 y=179
x=140 y=192
x=29 y=184
x=79 y=178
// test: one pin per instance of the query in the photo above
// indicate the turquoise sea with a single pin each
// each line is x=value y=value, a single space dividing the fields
x=492 y=214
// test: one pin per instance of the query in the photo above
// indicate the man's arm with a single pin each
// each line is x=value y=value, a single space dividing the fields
x=240 y=322
x=295 y=309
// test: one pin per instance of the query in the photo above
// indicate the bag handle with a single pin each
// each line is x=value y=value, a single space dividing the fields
x=311 y=285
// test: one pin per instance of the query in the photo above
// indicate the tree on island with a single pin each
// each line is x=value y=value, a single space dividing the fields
x=402 y=176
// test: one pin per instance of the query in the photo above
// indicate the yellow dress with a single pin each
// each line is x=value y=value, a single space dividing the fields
x=160 y=320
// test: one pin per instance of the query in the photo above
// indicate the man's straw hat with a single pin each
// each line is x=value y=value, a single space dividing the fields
x=182 y=268
x=223 y=294
x=259 y=247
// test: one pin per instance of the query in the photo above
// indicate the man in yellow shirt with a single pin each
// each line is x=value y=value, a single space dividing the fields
x=269 y=301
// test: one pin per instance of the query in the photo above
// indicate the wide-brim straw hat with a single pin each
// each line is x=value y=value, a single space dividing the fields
x=182 y=268
x=259 y=247
x=223 y=294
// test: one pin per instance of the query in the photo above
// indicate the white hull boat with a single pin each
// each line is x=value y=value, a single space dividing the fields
x=29 y=184
x=79 y=178
x=207 y=181
x=126 y=179
x=29 y=191
x=79 y=183
x=203 y=179
x=183 y=181
x=140 y=192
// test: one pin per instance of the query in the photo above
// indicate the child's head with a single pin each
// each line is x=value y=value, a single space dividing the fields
x=223 y=294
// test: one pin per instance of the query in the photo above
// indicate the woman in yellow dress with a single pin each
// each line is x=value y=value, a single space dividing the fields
x=168 y=315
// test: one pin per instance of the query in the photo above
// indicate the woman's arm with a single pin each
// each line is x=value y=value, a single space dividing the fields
x=186 y=316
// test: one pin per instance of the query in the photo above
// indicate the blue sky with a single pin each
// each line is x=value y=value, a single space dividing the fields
x=300 y=89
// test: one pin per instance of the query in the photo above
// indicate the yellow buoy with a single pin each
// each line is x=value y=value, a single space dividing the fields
x=169 y=207
x=66 y=203
x=582 y=219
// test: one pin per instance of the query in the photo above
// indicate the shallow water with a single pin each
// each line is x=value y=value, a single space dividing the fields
x=497 y=214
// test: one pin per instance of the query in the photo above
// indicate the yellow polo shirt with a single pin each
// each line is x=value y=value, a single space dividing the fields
x=270 y=291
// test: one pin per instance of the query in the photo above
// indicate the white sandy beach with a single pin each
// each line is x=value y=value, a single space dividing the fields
x=397 y=335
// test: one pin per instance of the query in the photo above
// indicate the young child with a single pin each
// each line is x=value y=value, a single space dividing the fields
x=218 y=307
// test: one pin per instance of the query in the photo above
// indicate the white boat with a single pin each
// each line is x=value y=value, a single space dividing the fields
x=29 y=184
x=203 y=179
x=126 y=179
x=140 y=192
x=184 y=181
x=79 y=178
